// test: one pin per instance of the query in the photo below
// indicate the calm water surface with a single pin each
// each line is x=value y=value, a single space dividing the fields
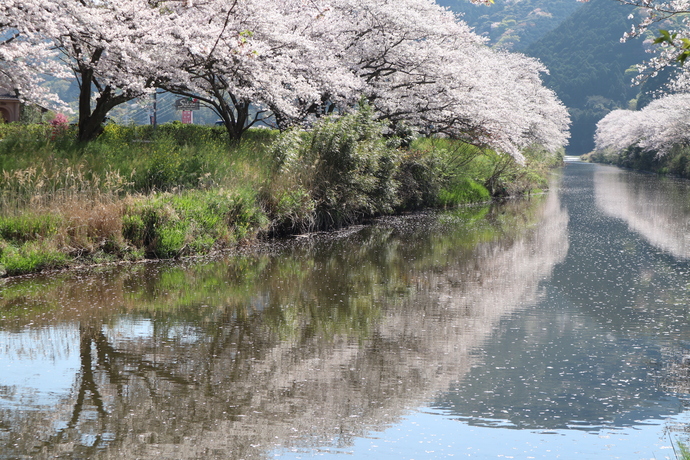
x=554 y=327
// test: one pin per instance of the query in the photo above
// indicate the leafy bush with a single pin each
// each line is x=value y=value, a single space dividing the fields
x=463 y=190
x=30 y=258
x=421 y=177
x=346 y=165
x=170 y=225
x=28 y=227
x=676 y=162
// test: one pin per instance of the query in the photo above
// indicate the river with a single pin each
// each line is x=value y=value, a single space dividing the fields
x=551 y=327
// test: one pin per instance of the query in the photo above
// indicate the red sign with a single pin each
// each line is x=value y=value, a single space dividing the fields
x=187 y=117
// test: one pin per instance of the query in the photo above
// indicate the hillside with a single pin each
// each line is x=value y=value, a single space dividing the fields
x=589 y=66
x=513 y=24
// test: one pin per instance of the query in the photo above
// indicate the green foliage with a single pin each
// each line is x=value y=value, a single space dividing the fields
x=513 y=25
x=684 y=451
x=665 y=37
x=30 y=258
x=442 y=172
x=18 y=137
x=135 y=192
x=463 y=190
x=586 y=59
x=170 y=225
x=293 y=210
x=421 y=177
x=171 y=158
x=676 y=162
x=32 y=114
x=345 y=164
x=28 y=227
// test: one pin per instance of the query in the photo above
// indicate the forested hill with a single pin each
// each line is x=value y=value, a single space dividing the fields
x=588 y=64
x=590 y=69
x=512 y=24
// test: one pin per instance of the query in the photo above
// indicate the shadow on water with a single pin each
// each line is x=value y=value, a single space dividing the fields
x=310 y=344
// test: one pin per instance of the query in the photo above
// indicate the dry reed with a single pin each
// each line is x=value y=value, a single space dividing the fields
x=48 y=185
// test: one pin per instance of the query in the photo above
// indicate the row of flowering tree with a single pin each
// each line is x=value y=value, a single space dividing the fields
x=415 y=62
x=663 y=124
x=658 y=127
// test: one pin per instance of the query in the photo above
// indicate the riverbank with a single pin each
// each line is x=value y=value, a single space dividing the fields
x=676 y=162
x=181 y=190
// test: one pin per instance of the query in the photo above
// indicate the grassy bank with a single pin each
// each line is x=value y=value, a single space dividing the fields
x=675 y=163
x=180 y=190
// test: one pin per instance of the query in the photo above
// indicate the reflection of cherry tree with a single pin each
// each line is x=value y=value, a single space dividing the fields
x=336 y=344
x=650 y=208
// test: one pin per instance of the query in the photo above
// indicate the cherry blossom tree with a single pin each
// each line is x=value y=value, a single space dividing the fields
x=672 y=41
x=658 y=127
x=425 y=67
x=23 y=61
x=415 y=62
x=104 y=44
x=252 y=54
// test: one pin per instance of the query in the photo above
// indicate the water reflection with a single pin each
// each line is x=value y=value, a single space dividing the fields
x=657 y=208
x=604 y=346
x=312 y=344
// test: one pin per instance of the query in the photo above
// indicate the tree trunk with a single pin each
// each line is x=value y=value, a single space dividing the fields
x=91 y=121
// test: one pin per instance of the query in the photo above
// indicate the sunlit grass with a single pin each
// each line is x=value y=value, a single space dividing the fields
x=177 y=190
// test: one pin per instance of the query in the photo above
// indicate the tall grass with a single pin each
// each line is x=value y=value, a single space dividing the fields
x=137 y=192
x=342 y=171
x=129 y=159
x=132 y=193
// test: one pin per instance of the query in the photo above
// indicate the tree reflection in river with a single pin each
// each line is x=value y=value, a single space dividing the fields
x=603 y=349
x=657 y=208
x=313 y=344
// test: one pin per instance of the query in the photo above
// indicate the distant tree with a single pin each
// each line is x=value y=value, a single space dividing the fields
x=658 y=127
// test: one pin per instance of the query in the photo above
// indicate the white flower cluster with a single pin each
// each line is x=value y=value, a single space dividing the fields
x=672 y=47
x=662 y=124
x=413 y=60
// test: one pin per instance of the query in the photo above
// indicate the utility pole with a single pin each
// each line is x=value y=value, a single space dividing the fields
x=155 y=110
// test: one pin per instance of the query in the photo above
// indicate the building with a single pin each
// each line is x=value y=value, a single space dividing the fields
x=9 y=107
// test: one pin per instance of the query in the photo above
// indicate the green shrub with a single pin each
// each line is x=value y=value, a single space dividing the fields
x=439 y=171
x=347 y=166
x=30 y=258
x=463 y=190
x=133 y=228
x=292 y=211
x=421 y=177
x=170 y=225
x=675 y=162
x=27 y=227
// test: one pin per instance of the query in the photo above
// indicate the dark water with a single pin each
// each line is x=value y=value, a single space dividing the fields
x=554 y=327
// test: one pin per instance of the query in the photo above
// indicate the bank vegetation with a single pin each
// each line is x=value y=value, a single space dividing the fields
x=178 y=190
x=653 y=139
